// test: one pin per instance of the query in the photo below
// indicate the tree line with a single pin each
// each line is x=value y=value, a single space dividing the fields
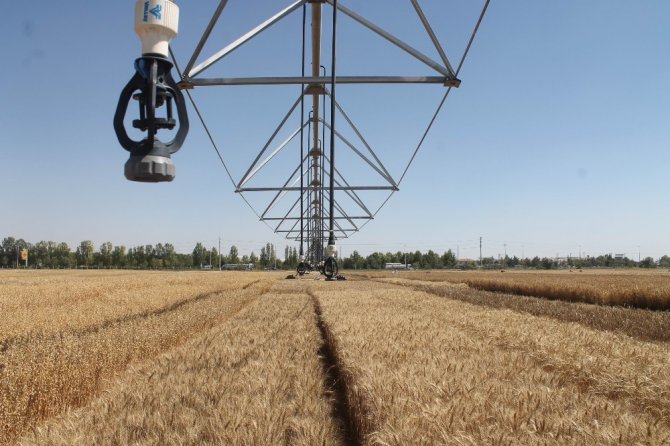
x=432 y=260
x=50 y=254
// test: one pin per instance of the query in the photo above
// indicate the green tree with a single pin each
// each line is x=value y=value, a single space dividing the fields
x=139 y=257
x=169 y=255
x=449 y=259
x=198 y=254
x=149 y=256
x=233 y=255
x=375 y=261
x=358 y=260
x=106 y=250
x=416 y=259
x=41 y=255
x=84 y=253
x=431 y=260
x=547 y=263
x=8 y=251
x=265 y=257
x=294 y=257
x=119 y=259
x=63 y=256
x=648 y=262
x=270 y=255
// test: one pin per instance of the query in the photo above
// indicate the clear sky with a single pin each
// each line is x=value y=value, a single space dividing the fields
x=558 y=139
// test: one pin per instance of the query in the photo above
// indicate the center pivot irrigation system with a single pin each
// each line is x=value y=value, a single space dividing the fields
x=316 y=215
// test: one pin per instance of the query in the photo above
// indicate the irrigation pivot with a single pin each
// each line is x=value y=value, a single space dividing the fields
x=327 y=205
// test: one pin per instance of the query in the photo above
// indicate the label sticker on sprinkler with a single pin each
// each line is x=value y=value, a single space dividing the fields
x=155 y=11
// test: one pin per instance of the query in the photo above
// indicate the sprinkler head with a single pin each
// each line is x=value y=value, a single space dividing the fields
x=154 y=89
x=149 y=168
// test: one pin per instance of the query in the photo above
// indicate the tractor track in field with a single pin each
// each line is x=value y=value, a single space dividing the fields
x=23 y=339
x=8 y=343
x=346 y=412
x=15 y=341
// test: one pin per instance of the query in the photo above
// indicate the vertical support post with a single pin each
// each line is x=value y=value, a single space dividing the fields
x=302 y=137
x=480 y=252
x=317 y=179
x=331 y=235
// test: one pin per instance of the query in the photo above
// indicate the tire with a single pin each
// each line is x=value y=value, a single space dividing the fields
x=330 y=268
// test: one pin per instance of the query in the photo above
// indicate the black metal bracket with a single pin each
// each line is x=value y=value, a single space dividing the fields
x=156 y=88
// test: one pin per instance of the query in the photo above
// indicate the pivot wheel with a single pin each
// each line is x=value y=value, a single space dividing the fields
x=302 y=268
x=330 y=268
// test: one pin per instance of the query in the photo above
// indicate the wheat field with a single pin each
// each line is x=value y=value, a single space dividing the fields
x=250 y=358
x=640 y=288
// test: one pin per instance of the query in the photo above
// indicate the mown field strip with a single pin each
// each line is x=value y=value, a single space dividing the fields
x=256 y=379
x=429 y=370
x=646 y=325
x=51 y=373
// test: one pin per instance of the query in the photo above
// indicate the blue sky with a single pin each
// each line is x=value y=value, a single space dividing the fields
x=558 y=138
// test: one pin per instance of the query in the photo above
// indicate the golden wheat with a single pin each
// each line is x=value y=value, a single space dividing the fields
x=647 y=325
x=429 y=370
x=636 y=288
x=264 y=361
x=53 y=301
x=255 y=380
x=45 y=370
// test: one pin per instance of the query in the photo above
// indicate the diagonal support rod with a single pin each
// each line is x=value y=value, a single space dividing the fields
x=281 y=222
x=273 y=154
x=280 y=194
x=360 y=136
x=394 y=40
x=245 y=38
x=360 y=154
x=432 y=35
x=350 y=191
x=267 y=144
x=205 y=36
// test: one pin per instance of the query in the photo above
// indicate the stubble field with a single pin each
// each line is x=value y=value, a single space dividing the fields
x=249 y=358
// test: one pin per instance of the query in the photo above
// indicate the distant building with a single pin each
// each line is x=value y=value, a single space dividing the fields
x=395 y=266
x=237 y=267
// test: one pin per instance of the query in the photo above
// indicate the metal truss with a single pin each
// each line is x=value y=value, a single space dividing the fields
x=308 y=192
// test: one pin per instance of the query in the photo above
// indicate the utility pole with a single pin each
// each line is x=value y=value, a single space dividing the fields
x=638 y=254
x=219 y=253
x=505 y=258
x=480 y=252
